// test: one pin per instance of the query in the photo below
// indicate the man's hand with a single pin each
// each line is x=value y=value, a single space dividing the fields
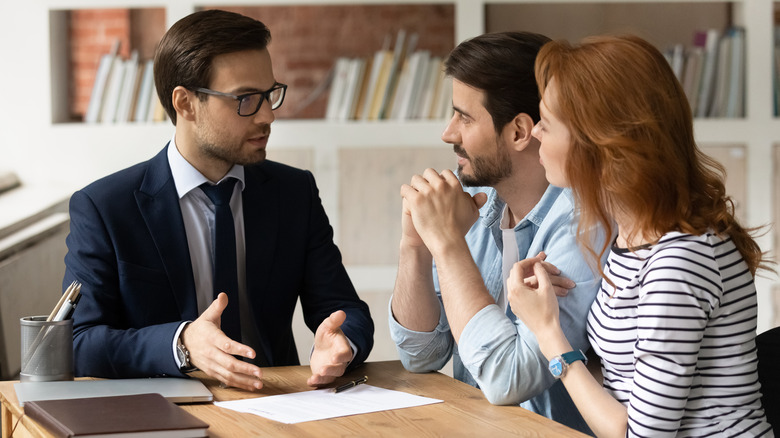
x=212 y=351
x=332 y=351
x=440 y=210
x=409 y=234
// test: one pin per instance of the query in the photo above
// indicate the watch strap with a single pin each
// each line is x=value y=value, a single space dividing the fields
x=574 y=356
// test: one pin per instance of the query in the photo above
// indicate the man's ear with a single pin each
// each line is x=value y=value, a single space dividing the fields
x=518 y=131
x=184 y=102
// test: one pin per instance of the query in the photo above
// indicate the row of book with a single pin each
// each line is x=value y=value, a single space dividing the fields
x=124 y=91
x=399 y=84
x=712 y=72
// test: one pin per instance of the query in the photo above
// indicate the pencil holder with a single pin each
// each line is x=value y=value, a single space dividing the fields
x=47 y=349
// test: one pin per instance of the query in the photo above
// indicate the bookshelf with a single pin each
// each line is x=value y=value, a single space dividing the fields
x=360 y=165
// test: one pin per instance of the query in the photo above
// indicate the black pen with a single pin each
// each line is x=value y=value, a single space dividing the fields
x=351 y=384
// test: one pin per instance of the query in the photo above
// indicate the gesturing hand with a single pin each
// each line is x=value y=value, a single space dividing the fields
x=212 y=351
x=332 y=351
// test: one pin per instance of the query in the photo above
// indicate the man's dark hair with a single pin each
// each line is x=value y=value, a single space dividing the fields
x=502 y=65
x=185 y=52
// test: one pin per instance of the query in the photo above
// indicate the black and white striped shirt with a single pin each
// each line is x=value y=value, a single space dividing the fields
x=677 y=338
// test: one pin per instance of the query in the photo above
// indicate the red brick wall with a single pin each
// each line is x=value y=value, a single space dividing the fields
x=305 y=41
x=92 y=33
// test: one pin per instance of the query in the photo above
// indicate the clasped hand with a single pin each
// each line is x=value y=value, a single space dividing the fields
x=436 y=209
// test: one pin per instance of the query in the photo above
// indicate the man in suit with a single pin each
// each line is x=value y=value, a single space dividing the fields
x=177 y=277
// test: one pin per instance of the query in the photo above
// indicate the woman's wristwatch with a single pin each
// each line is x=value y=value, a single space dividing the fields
x=559 y=364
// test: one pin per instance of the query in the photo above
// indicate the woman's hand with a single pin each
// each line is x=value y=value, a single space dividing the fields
x=532 y=296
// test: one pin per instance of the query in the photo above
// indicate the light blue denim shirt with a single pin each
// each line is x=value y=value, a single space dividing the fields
x=497 y=353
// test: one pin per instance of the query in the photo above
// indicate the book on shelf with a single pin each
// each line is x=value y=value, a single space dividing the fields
x=363 y=89
x=124 y=91
x=721 y=79
x=128 y=88
x=141 y=415
x=735 y=102
x=398 y=84
x=112 y=92
x=145 y=90
x=337 y=87
x=676 y=58
x=694 y=63
x=105 y=65
x=354 y=80
x=380 y=87
x=428 y=90
x=707 y=84
x=377 y=65
x=400 y=50
x=712 y=72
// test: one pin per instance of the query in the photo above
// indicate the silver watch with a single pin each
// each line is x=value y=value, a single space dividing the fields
x=184 y=356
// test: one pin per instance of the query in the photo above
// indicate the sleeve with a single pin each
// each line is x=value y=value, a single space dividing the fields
x=327 y=286
x=104 y=345
x=673 y=309
x=430 y=351
x=503 y=356
x=421 y=352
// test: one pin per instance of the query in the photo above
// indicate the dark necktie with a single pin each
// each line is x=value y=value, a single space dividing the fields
x=225 y=276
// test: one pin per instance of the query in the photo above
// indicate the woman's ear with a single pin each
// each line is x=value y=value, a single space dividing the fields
x=518 y=131
x=184 y=103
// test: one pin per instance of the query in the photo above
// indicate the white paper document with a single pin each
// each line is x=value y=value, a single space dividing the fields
x=325 y=403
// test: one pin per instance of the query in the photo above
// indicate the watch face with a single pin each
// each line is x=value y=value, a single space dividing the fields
x=556 y=367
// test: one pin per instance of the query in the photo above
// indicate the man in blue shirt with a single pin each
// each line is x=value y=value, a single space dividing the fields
x=457 y=306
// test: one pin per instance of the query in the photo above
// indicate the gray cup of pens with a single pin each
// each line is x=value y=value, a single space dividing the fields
x=47 y=349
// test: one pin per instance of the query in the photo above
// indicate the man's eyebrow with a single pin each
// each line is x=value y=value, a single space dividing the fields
x=458 y=110
x=245 y=89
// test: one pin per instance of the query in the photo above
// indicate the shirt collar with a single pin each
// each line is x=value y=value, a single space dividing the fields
x=186 y=177
x=495 y=208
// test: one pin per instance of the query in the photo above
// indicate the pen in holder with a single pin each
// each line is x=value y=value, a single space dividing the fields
x=47 y=342
x=47 y=349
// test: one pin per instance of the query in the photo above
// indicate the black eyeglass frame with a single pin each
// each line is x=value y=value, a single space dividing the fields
x=240 y=97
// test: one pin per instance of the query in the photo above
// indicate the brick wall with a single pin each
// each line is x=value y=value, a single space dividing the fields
x=305 y=41
x=92 y=33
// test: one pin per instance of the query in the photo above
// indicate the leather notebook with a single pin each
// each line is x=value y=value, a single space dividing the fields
x=141 y=415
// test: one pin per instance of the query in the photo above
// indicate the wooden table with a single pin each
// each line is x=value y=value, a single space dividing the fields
x=464 y=413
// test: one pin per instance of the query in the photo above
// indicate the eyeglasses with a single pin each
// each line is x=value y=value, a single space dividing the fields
x=249 y=103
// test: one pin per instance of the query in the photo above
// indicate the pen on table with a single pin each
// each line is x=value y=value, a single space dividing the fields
x=351 y=384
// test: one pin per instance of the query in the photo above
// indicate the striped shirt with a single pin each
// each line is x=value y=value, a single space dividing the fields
x=676 y=337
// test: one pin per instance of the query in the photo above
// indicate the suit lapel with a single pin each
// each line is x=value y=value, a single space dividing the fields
x=158 y=203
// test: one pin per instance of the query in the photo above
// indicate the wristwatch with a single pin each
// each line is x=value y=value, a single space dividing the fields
x=184 y=357
x=559 y=364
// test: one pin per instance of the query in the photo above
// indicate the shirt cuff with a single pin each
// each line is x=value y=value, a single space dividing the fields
x=413 y=341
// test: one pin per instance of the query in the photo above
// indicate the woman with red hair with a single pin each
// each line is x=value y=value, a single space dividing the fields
x=675 y=320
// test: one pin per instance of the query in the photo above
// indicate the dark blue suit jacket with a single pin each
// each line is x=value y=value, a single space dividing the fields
x=128 y=247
